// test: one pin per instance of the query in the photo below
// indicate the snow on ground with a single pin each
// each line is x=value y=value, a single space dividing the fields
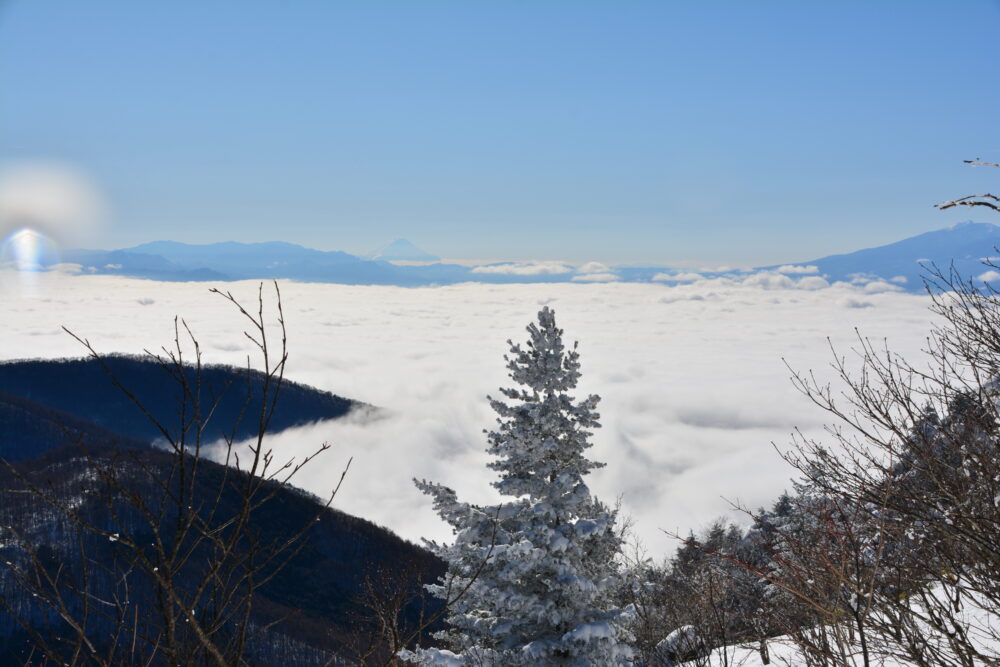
x=782 y=653
x=980 y=621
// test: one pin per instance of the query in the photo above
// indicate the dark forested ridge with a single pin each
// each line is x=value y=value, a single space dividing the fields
x=83 y=389
x=29 y=429
x=67 y=429
x=322 y=586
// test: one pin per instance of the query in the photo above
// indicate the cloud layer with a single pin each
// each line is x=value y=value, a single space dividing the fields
x=525 y=268
x=693 y=385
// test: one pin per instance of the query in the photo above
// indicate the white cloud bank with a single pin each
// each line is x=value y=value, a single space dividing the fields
x=797 y=269
x=596 y=277
x=676 y=277
x=694 y=389
x=595 y=272
x=525 y=269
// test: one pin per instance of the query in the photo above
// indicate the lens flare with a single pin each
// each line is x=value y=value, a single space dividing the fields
x=28 y=250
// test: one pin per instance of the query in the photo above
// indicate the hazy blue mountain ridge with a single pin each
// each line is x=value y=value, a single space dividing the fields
x=139 y=265
x=403 y=249
x=964 y=245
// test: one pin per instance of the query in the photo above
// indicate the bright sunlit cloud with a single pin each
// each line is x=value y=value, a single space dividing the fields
x=677 y=277
x=797 y=268
x=694 y=390
x=595 y=272
x=525 y=268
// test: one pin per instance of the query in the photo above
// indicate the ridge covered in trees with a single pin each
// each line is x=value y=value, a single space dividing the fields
x=85 y=388
x=316 y=599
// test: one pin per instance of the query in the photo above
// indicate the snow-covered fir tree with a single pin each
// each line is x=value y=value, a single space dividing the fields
x=531 y=580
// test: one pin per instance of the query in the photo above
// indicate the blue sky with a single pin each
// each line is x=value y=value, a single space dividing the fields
x=619 y=131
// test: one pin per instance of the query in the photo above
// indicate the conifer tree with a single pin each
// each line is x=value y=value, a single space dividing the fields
x=530 y=581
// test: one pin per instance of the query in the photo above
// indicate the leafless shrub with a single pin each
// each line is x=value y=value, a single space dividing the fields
x=188 y=556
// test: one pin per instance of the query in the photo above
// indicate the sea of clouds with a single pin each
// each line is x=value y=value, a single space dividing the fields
x=694 y=390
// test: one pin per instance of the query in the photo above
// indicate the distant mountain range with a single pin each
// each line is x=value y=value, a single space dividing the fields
x=963 y=245
x=403 y=250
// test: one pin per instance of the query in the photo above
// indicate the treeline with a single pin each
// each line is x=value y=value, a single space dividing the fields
x=53 y=566
x=91 y=389
x=29 y=429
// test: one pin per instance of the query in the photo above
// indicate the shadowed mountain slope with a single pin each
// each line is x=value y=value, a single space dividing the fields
x=29 y=429
x=83 y=389
x=67 y=430
x=321 y=586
